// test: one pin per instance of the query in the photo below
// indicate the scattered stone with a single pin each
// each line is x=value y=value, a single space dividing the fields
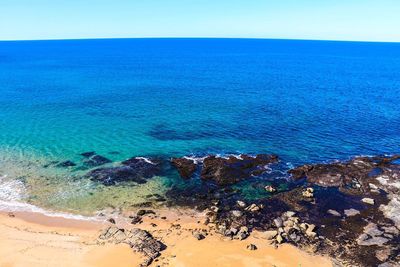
x=136 y=220
x=111 y=220
x=236 y=213
x=241 y=204
x=278 y=222
x=11 y=215
x=279 y=239
x=270 y=188
x=308 y=193
x=334 y=213
x=270 y=234
x=251 y=247
x=383 y=254
x=368 y=200
x=351 y=212
x=243 y=233
x=198 y=236
x=253 y=208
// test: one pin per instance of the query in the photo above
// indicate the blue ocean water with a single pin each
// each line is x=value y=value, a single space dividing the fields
x=307 y=101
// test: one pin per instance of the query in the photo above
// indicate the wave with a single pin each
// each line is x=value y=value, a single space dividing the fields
x=12 y=193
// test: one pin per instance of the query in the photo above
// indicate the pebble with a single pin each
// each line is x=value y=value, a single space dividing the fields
x=251 y=247
x=351 y=212
x=368 y=200
x=334 y=213
x=198 y=236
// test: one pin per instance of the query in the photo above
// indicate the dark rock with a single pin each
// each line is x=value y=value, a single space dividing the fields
x=186 y=167
x=65 y=164
x=96 y=160
x=226 y=171
x=198 y=236
x=88 y=154
x=132 y=170
x=251 y=247
x=111 y=220
x=136 y=220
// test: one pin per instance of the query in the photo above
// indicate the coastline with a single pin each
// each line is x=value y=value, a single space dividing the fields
x=34 y=239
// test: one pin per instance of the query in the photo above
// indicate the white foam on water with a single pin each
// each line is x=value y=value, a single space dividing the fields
x=146 y=160
x=12 y=193
x=196 y=160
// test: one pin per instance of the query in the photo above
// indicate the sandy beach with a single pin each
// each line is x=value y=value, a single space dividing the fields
x=32 y=239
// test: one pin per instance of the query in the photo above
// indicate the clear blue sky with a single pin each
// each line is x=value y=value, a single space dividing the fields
x=372 y=20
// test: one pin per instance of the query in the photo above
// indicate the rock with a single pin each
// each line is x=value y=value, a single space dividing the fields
x=278 y=222
x=365 y=240
x=289 y=214
x=186 y=167
x=11 y=215
x=390 y=230
x=270 y=188
x=226 y=171
x=236 y=213
x=279 y=239
x=340 y=174
x=198 y=236
x=111 y=220
x=270 y=234
x=308 y=193
x=351 y=212
x=136 y=220
x=383 y=254
x=241 y=204
x=65 y=164
x=334 y=213
x=310 y=233
x=368 y=200
x=253 y=208
x=243 y=233
x=96 y=160
x=144 y=212
x=132 y=170
x=251 y=247
x=139 y=240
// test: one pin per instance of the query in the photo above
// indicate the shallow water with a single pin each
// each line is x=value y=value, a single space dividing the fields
x=307 y=101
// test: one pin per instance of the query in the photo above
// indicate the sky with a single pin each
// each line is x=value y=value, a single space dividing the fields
x=359 y=20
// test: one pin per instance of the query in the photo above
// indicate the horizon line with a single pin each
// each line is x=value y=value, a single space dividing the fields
x=242 y=38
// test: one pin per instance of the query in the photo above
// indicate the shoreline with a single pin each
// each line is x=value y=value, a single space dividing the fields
x=34 y=239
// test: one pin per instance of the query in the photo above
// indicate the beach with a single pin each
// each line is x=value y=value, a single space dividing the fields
x=32 y=239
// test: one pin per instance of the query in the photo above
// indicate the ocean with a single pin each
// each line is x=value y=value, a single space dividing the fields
x=306 y=101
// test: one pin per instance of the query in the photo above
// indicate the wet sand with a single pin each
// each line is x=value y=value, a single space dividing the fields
x=32 y=239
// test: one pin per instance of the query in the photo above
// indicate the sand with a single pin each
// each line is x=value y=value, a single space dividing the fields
x=32 y=239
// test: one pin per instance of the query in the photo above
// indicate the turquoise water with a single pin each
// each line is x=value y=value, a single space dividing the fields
x=307 y=101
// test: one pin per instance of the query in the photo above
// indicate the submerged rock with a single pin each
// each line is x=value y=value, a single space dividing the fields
x=96 y=160
x=88 y=154
x=65 y=164
x=132 y=170
x=186 y=167
x=226 y=171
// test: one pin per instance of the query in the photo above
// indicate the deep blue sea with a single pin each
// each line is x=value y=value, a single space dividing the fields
x=307 y=101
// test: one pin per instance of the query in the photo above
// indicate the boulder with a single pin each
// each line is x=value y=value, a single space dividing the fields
x=186 y=167
x=226 y=171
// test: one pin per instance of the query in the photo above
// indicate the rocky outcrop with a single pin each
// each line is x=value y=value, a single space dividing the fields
x=139 y=240
x=186 y=167
x=342 y=173
x=226 y=171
